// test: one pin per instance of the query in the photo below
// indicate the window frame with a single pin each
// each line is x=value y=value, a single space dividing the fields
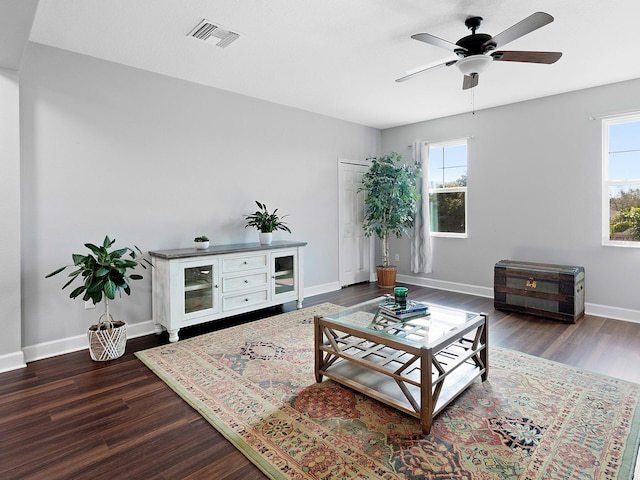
x=444 y=144
x=607 y=122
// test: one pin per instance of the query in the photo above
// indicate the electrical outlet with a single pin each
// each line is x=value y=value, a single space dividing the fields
x=89 y=304
x=397 y=257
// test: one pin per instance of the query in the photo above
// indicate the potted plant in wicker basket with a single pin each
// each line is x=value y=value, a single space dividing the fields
x=390 y=205
x=266 y=223
x=104 y=273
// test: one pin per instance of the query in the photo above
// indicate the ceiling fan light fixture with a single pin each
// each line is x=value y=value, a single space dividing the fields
x=474 y=64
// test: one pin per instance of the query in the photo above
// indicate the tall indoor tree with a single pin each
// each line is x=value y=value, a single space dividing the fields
x=390 y=204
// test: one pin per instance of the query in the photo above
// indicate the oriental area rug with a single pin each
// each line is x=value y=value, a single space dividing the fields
x=532 y=418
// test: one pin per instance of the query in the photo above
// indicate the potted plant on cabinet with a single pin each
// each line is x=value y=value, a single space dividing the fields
x=201 y=242
x=390 y=205
x=266 y=223
x=104 y=273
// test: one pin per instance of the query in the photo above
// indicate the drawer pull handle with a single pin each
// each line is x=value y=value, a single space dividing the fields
x=246 y=281
x=531 y=282
x=245 y=262
x=246 y=299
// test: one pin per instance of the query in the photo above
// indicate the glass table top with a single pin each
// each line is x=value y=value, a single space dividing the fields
x=422 y=327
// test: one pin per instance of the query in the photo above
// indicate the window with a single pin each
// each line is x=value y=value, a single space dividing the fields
x=448 y=188
x=621 y=181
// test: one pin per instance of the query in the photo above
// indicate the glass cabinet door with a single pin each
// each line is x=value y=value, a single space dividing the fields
x=284 y=274
x=199 y=284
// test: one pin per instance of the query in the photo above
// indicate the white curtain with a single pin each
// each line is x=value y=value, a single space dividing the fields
x=420 y=237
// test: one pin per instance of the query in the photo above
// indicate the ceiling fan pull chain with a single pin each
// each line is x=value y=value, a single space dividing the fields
x=473 y=102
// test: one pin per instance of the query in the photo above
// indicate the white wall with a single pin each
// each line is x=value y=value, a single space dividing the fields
x=10 y=340
x=155 y=161
x=534 y=174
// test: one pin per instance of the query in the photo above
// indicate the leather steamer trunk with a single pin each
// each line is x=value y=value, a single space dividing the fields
x=546 y=290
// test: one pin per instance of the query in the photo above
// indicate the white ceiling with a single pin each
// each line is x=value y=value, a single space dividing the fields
x=341 y=57
x=16 y=17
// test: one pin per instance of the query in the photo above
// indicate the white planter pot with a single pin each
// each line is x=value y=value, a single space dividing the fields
x=107 y=344
x=201 y=245
x=266 y=238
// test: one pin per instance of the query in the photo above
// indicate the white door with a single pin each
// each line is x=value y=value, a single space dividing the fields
x=355 y=249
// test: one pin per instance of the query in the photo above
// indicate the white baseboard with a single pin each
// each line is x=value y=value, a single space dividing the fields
x=607 y=311
x=140 y=329
x=55 y=348
x=448 y=286
x=12 y=361
x=616 y=313
x=78 y=342
x=320 y=289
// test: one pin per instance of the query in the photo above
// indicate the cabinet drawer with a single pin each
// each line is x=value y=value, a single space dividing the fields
x=233 y=284
x=244 y=300
x=241 y=264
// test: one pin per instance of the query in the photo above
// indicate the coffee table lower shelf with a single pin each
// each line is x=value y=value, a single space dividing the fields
x=385 y=389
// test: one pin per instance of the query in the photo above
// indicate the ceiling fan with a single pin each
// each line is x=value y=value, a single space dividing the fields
x=478 y=50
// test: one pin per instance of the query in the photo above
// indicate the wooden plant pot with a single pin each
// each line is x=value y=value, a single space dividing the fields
x=386 y=276
x=107 y=343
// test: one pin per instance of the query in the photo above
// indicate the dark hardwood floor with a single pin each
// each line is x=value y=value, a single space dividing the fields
x=71 y=418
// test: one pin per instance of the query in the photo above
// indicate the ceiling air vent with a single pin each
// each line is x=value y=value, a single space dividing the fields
x=212 y=33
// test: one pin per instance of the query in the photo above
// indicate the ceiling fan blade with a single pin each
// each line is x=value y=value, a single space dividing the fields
x=528 y=25
x=414 y=74
x=438 y=42
x=470 y=82
x=529 y=57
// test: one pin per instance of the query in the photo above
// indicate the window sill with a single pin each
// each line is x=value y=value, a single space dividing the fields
x=623 y=244
x=448 y=235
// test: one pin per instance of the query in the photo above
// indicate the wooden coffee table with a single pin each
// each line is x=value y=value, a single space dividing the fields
x=417 y=365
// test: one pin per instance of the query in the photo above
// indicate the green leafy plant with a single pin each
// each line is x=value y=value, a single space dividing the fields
x=201 y=238
x=627 y=221
x=391 y=199
x=264 y=221
x=103 y=273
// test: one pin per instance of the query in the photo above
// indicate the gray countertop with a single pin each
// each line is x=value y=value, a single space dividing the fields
x=220 y=249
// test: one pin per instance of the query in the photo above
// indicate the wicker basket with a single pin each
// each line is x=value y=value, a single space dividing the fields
x=386 y=276
x=109 y=342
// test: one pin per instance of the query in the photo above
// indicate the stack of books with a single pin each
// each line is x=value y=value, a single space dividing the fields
x=412 y=309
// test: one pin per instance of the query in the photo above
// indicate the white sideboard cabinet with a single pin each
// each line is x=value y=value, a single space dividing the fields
x=193 y=286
